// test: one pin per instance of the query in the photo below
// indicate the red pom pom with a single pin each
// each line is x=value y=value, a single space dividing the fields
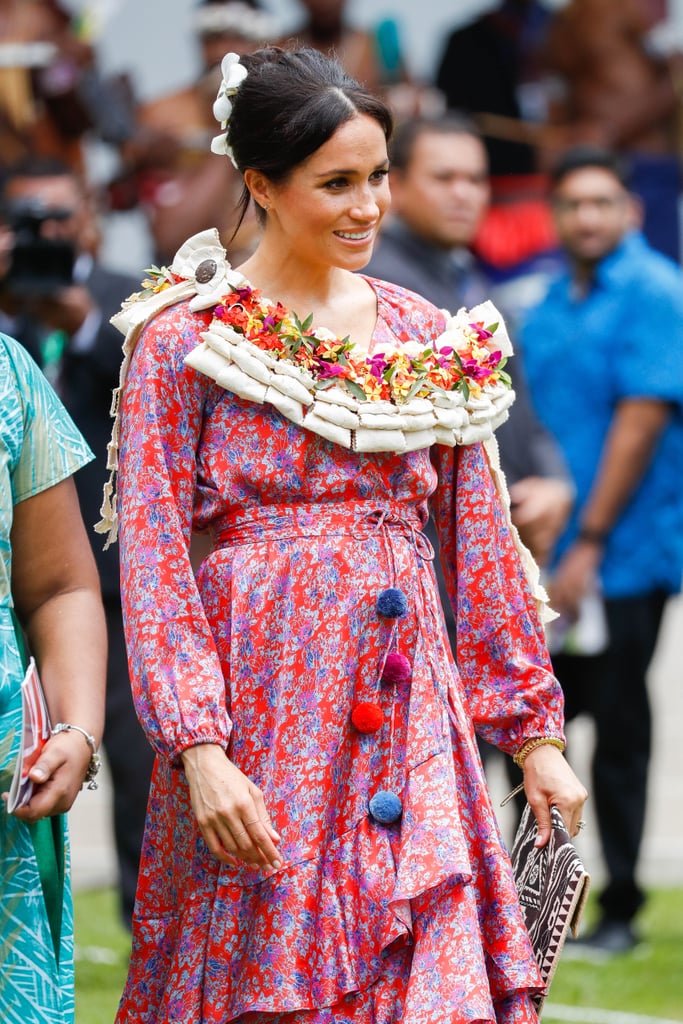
x=397 y=669
x=367 y=717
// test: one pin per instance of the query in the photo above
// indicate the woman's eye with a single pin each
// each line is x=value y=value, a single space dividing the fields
x=379 y=175
x=336 y=183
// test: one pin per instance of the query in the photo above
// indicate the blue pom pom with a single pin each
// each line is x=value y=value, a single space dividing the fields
x=392 y=603
x=385 y=807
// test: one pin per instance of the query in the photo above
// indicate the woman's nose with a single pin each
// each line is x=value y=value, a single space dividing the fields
x=365 y=206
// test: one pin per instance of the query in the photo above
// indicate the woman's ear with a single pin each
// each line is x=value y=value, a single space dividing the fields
x=260 y=188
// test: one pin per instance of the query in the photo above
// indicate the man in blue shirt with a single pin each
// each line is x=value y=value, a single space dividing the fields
x=604 y=358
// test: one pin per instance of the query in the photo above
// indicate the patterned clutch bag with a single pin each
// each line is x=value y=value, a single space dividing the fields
x=553 y=886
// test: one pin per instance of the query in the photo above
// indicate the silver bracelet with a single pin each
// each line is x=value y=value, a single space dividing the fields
x=95 y=759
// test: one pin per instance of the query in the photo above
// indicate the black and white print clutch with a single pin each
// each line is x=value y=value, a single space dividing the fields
x=553 y=886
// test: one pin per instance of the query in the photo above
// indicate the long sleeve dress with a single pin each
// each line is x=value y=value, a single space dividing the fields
x=268 y=651
x=39 y=447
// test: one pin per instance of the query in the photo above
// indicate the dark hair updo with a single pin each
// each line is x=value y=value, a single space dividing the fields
x=288 y=106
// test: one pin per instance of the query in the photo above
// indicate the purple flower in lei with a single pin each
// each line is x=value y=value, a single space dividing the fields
x=476 y=371
x=482 y=333
x=377 y=364
x=444 y=356
x=327 y=370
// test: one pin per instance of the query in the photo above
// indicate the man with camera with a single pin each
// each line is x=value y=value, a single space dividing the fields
x=56 y=299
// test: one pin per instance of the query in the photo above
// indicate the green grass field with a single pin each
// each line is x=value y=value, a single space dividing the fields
x=648 y=981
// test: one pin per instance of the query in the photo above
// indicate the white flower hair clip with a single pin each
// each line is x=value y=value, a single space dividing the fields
x=233 y=74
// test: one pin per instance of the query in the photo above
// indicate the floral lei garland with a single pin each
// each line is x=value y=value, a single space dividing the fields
x=395 y=375
x=466 y=358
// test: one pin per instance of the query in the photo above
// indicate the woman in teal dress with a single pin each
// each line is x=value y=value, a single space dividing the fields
x=48 y=585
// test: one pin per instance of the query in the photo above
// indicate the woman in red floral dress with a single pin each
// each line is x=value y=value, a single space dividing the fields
x=321 y=846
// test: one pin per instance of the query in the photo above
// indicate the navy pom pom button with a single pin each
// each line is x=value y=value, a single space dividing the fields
x=392 y=603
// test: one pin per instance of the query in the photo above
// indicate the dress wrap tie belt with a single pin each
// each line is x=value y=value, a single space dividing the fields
x=353 y=518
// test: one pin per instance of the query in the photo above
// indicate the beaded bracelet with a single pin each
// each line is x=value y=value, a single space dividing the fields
x=536 y=741
x=95 y=760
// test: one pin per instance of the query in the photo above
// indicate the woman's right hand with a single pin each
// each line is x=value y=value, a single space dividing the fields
x=550 y=781
x=230 y=810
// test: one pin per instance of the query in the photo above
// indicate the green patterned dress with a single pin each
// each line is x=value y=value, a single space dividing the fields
x=39 y=446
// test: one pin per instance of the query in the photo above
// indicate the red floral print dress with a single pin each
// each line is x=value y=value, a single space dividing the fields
x=267 y=651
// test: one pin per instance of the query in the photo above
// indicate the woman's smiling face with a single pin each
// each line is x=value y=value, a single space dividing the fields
x=329 y=210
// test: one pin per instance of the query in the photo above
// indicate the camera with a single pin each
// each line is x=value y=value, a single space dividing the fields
x=39 y=266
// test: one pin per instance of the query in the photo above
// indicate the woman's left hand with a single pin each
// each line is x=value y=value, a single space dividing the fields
x=549 y=781
x=57 y=776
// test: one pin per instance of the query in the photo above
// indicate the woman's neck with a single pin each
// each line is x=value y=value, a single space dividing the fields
x=338 y=299
x=290 y=282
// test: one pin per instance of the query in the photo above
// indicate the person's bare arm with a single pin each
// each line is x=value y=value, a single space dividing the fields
x=540 y=507
x=654 y=104
x=618 y=91
x=628 y=450
x=57 y=597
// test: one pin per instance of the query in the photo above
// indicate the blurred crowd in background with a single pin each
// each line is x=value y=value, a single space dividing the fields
x=537 y=78
x=518 y=86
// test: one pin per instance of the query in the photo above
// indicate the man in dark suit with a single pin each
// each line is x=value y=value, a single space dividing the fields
x=440 y=192
x=56 y=299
